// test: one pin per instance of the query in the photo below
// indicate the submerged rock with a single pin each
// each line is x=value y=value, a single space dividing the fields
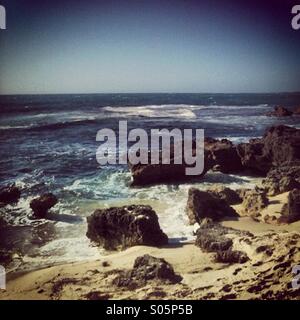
x=202 y=204
x=40 y=206
x=280 y=111
x=147 y=268
x=10 y=194
x=212 y=237
x=119 y=228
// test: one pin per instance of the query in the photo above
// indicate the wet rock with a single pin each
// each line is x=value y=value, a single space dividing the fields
x=10 y=194
x=220 y=154
x=149 y=174
x=119 y=228
x=291 y=211
x=202 y=204
x=230 y=196
x=147 y=268
x=40 y=206
x=280 y=111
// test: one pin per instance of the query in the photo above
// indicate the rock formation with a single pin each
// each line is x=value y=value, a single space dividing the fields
x=40 y=206
x=147 y=268
x=202 y=204
x=280 y=111
x=10 y=194
x=119 y=228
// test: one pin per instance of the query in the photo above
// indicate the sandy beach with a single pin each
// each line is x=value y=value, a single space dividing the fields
x=202 y=277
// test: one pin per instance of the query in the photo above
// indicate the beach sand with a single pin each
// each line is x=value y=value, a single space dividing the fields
x=203 y=278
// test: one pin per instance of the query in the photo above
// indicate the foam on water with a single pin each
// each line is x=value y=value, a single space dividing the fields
x=154 y=111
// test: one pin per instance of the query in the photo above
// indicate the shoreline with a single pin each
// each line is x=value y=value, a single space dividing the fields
x=78 y=279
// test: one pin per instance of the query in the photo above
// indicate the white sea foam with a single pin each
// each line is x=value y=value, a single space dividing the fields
x=155 y=111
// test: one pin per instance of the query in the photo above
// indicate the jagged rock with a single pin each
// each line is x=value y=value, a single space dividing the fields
x=224 y=155
x=280 y=111
x=291 y=211
x=280 y=145
x=282 y=179
x=119 y=228
x=254 y=201
x=212 y=237
x=10 y=194
x=147 y=268
x=202 y=204
x=230 y=196
x=40 y=206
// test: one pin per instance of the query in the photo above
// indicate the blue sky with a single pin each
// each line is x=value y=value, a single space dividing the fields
x=148 y=46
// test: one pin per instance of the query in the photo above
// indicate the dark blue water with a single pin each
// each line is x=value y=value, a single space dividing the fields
x=48 y=144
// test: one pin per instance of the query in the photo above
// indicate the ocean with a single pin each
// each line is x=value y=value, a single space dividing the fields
x=48 y=144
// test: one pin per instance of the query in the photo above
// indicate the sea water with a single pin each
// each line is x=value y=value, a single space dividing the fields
x=48 y=144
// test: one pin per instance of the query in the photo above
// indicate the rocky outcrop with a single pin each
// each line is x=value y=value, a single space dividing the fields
x=10 y=194
x=218 y=154
x=149 y=174
x=280 y=111
x=147 y=268
x=213 y=237
x=223 y=155
x=40 y=206
x=119 y=228
x=280 y=145
x=291 y=211
x=253 y=202
x=230 y=196
x=202 y=204
x=282 y=179
x=144 y=175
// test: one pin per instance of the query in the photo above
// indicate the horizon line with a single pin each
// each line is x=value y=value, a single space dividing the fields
x=154 y=92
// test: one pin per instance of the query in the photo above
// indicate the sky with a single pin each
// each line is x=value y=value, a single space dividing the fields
x=99 y=46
